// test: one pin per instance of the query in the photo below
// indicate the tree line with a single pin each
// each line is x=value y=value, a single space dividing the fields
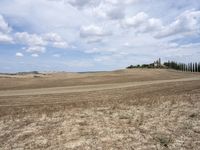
x=155 y=64
x=191 y=67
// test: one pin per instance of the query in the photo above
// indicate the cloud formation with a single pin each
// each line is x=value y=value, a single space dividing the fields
x=141 y=22
x=36 y=49
x=55 y=40
x=4 y=31
x=4 y=25
x=30 y=39
x=34 y=55
x=18 y=54
x=4 y=38
x=93 y=33
x=186 y=23
x=100 y=32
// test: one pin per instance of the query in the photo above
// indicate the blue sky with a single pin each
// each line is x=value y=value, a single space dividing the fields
x=89 y=35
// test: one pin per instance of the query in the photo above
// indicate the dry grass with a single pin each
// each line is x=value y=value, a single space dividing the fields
x=71 y=79
x=162 y=116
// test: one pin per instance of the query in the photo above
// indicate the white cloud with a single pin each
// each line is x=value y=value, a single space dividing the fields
x=109 y=11
x=60 y=44
x=4 y=31
x=4 y=38
x=18 y=54
x=112 y=9
x=35 y=43
x=126 y=44
x=55 y=40
x=52 y=37
x=4 y=27
x=38 y=43
x=141 y=22
x=136 y=20
x=93 y=31
x=36 y=49
x=154 y=24
x=30 y=39
x=186 y=23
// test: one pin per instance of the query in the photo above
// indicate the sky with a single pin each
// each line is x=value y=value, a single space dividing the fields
x=94 y=35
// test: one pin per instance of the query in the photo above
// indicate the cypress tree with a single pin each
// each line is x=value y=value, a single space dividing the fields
x=199 y=67
x=193 y=67
x=196 y=67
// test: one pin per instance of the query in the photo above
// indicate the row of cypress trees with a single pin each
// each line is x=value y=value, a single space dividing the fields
x=192 y=67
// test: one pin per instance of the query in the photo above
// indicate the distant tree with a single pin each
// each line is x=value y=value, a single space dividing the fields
x=199 y=67
x=196 y=67
x=129 y=67
x=138 y=66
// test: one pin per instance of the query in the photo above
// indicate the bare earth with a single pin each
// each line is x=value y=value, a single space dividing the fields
x=139 y=109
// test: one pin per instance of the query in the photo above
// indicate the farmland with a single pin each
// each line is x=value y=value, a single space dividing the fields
x=138 y=109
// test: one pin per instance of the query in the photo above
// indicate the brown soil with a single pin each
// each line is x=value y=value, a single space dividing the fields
x=160 y=115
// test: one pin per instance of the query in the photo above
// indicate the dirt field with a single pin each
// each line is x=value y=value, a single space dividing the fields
x=139 y=109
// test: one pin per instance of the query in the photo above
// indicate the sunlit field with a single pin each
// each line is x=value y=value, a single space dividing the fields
x=149 y=109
